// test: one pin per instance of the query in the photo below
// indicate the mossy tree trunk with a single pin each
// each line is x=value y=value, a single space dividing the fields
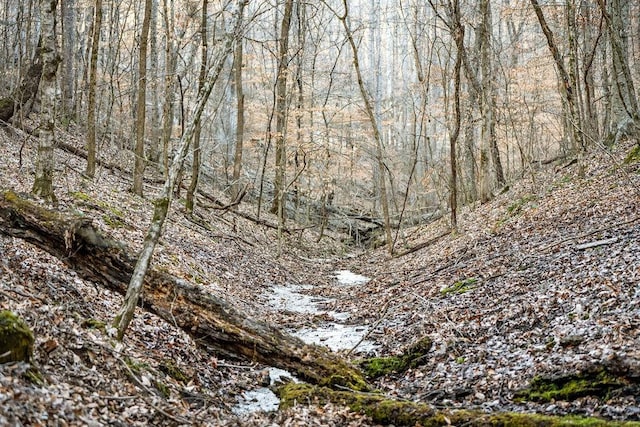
x=213 y=324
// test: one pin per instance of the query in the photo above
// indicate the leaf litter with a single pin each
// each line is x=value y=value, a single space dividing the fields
x=541 y=303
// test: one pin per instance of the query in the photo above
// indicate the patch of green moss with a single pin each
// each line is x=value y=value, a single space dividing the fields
x=387 y=411
x=170 y=368
x=79 y=195
x=112 y=221
x=378 y=366
x=414 y=356
x=633 y=156
x=163 y=389
x=599 y=384
x=136 y=367
x=460 y=287
x=94 y=324
x=34 y=375
x=516 y=207
x=16 y=338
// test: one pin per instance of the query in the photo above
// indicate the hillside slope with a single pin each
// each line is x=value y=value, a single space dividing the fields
x=531 y=301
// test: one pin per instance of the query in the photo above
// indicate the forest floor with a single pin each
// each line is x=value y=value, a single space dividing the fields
x=542 y=281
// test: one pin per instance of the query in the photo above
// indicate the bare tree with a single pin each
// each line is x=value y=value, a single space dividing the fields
x=567 y=84
x=141 y=108
x=91 y=97
x=45 y=163
x=281 y=106
x=195 y=144
x=237 y=157
x=161 y=205
x=369 y=108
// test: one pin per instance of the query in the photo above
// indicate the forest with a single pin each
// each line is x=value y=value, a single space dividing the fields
x=334 y=212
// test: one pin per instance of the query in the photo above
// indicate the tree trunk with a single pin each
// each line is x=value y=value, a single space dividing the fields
x=279 y=197
x=43 y=184
x=138 y=171
x=91 y=97
x=376 y=130
x=195 y=144
x=68 y=47
x=458 y=36
x=212 y=323
x=237 y=158
x=171 y=59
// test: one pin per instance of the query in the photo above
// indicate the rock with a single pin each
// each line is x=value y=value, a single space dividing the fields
x=16 y=338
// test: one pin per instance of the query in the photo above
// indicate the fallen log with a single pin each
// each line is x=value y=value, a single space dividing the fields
x=212 y=322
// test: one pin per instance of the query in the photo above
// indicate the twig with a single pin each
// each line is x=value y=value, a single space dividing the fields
x=371 y=329
x=597 y=243
x=568 y=239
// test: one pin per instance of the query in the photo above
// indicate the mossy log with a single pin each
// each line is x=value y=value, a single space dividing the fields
x=16 y=338
x=415 y=355
x=385 y=411
x=212 y=322
x=598 y=381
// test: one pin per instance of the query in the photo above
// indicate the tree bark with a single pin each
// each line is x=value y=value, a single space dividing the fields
x=213 y=323
x=27 y=90
x=43 y=183
x=281 y=106
x=195 y=148
x=237 y=158
x=138 y=171
x=91 y=96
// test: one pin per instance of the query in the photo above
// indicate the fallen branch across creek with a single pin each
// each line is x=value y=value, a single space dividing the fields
x=212 y=322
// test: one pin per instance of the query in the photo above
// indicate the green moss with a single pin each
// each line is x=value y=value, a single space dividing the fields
x=34 y=375
x=163 y=389
x=517 y=206
x=170 y=368
x=460 y=287
x=136 y=367
x=599 y=384
x=414 y=356
x=387 y=411
x=112 y=221
x=161 y=206
x=633 y=156
x=80 y=196
x=378 y=366
x=16 y=338
x=94 y=324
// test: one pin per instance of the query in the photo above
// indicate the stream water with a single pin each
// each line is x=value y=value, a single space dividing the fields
x=334 y=334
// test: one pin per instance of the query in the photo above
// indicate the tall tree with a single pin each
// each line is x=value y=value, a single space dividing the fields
x=567 y=84
x=91 y=96
x=45 y=163
x=279 y=196
x=616 y=15
x=68 y=47
x=237 y=158
x=369 y=108
x=161 y=205
x=195 y=144
x=141 y=106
